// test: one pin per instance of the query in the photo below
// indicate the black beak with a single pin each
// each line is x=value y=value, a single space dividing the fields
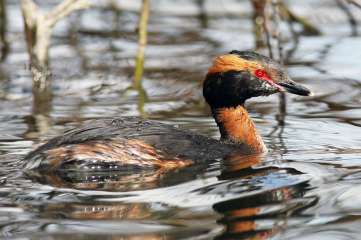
x=295 y=88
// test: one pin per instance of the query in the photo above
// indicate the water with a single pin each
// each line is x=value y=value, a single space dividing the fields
x=306 y=187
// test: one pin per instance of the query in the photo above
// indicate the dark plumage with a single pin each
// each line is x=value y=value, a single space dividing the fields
x=169 y=142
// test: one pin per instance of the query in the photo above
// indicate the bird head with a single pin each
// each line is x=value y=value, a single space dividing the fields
x=235 y=77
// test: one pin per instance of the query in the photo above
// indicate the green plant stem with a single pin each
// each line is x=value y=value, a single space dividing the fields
x=142 y=42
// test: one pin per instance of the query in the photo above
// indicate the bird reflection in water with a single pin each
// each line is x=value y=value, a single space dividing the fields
x=137 y=218
x=262 y=213
x=133 y=180
x=99 y=210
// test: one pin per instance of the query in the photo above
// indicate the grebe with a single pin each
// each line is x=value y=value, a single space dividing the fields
x=133 y=143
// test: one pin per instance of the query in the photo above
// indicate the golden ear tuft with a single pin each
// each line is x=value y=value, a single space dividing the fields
x=232 y=62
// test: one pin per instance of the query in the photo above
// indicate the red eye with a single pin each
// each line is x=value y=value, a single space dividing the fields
x=260 y=73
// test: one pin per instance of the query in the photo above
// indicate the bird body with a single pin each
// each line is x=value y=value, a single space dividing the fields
x=127 y=143
x=132 y=144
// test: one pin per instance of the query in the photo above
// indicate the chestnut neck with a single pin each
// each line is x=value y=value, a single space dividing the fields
x=236 y=126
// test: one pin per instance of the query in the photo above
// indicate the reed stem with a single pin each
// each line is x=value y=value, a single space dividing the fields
x=3 y=43
x=142 y=42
